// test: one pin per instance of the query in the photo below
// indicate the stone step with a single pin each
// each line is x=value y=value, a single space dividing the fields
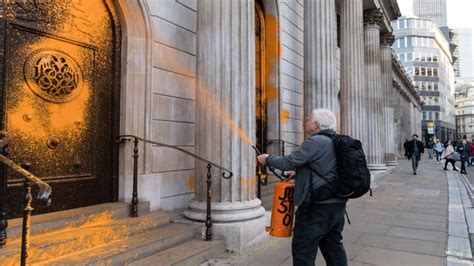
x=190 y=253
x=139 y=246
x=73 y=217
x=94 y=233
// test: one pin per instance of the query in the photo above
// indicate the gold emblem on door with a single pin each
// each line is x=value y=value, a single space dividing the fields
x=53 y=75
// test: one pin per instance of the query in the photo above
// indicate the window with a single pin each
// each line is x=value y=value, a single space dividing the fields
x=409 y=42
x=410 y=23
x=428 y=72
x=424 y=116
x=423 y=71
x=401 y=24
x=423 y=86
x=435 y=58
x=435 y=72
x=394 y=24
x=430 y=115
x=402 y=57
x=423 y=58
x=429 y=86
x=428 y=58
x=417 y=71
x=409 y=57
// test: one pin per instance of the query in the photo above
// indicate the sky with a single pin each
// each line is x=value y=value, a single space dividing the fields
x=459 y=12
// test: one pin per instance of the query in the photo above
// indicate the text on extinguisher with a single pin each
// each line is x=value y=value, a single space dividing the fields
x=286 y=206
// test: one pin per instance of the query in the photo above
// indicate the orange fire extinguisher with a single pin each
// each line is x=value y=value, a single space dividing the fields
x=283 y=210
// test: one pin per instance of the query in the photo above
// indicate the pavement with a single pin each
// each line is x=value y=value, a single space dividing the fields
x=411 y=219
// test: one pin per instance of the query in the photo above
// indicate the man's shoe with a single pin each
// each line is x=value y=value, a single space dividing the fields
x=445 y=168
x=414 y=173
x=455 y=169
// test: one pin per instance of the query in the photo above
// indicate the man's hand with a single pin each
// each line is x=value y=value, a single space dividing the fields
x=290 y=174
x=262 y=159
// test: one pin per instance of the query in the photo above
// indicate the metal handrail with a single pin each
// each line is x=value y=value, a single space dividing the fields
x=174 y=147
x=43 y=198
x=226 y=173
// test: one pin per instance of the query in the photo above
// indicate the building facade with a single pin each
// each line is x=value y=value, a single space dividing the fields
x=464 y=54
x=425 y=54
x=435 y=10
x=465 y=109
x=207 y=77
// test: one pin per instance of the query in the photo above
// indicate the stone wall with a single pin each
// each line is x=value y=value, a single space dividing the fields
x=291 y=70
x=166 y=176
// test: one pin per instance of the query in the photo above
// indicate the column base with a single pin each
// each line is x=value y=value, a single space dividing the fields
x=377 y=167
x=241 y=235
x=391 y=163
x=224 y=212
x=237 y=235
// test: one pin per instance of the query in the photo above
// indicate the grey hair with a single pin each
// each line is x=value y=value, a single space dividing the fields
x=325 y=118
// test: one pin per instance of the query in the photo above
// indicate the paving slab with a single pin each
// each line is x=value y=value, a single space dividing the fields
x=420 y=234
x=379 y=256
x=402 y=244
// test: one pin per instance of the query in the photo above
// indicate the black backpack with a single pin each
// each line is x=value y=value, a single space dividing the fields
x=353 y=176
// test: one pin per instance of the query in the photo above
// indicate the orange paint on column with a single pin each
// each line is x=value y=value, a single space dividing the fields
x=191 y=182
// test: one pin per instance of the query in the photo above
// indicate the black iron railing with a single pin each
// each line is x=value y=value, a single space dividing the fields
x=226 y=173
x=42 y=198
x=263 y=178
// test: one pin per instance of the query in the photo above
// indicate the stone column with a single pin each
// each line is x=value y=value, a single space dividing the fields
x=353 y=109
x=320 y=55
x=225 y=120
x=397 y=119
x=373 y=20
x=407 y=116
x=386 y=42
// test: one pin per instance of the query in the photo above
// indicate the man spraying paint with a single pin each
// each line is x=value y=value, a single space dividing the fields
x=320 y=216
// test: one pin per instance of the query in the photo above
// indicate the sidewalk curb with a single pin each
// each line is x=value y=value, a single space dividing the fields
x=458 y=249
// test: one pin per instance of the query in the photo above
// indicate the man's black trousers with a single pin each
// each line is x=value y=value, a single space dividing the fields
x=319 y=225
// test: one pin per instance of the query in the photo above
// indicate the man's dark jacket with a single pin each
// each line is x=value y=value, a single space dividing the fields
x=411 y=146
x=314 y=160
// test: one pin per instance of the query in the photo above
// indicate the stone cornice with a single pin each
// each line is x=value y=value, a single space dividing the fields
x=373 y=17
x=387 y=39
x=408 y=88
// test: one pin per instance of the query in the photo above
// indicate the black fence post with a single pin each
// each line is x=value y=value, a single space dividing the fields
x=3 y=211
x=208 y=207
x=135 y=179
x=25 y=235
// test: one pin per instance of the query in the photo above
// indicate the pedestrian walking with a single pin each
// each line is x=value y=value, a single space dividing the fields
x=429 y=147
x=463 y=150
x=471 y=154
x=319 y=218
x=438 y=149
x=414 y=149
x=448 y=154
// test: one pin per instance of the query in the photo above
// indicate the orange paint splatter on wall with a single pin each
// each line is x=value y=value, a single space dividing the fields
x=252 y=184
x=284 y=115
x=191 y=183
x=243 y=182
